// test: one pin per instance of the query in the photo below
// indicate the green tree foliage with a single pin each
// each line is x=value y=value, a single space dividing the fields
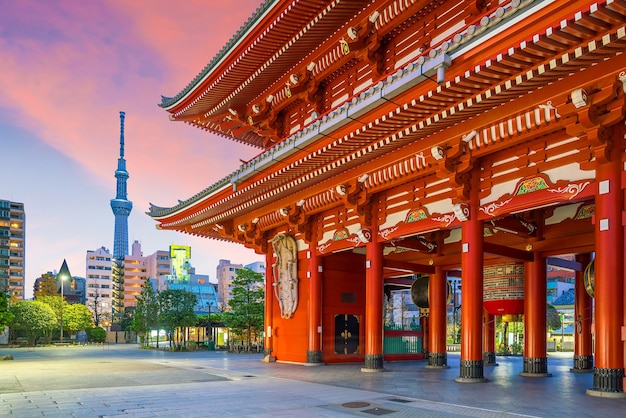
x=57 y=304
x=6 y=316
x=177 y=310
x=553 y=320
x=146 y=317
x=77 y=317
x=245 y=319
x=97 y=335
x=33 y=318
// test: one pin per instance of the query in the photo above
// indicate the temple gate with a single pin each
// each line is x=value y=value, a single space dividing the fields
x=421 y=137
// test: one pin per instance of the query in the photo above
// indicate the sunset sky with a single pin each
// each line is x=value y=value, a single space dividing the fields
x=66 y=70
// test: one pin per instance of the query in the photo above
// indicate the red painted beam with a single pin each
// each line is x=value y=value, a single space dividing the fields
x=410 y=267
x=508 y=252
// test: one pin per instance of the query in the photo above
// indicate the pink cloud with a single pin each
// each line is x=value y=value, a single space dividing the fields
x=86 y=61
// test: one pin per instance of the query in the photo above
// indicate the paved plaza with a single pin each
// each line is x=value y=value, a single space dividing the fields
x=123 y=380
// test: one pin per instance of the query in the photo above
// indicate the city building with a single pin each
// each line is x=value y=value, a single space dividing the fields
x=72 y=288
x=199 y=285
x=12 y=249
x=225 y=274
x=98 y=266
x=183 y=277
x=422 y=137
x=45 y=285
x=137 y=269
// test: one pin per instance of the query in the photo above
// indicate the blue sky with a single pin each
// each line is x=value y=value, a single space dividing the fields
x=68 y=68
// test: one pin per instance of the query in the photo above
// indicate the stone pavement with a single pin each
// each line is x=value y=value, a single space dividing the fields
x=123 y=380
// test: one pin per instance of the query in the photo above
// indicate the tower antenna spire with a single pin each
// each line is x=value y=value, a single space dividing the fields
x=122 y=117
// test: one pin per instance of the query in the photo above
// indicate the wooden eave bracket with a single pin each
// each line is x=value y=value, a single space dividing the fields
x=354 y=195
x=595 y=109
x=251 y=237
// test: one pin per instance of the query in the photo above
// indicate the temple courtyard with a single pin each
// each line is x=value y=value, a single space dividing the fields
x=124 y=380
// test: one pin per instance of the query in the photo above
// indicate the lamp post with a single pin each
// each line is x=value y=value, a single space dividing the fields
x=62 y=300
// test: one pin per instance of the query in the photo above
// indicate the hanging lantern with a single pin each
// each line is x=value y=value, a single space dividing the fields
x=503 y=288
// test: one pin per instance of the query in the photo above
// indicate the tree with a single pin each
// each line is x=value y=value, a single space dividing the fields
x=146 y=316
x=6 y=316
x=33 y=318
x=553 y=319
x=58 y=305
x=95 y=305
x=177 y=310
x=245 y=318
x=77 y=317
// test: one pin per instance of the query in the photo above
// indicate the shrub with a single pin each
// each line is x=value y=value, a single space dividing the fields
x=97 y=335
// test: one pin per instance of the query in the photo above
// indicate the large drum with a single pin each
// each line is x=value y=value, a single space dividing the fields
x=503 y=288
x=419 y=292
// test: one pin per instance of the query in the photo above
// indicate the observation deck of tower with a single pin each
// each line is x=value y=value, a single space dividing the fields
x=121 y=206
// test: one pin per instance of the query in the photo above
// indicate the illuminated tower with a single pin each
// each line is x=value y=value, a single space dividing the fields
x=121 y=205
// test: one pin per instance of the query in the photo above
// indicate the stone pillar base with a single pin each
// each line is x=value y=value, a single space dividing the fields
x=489 y=358
x=438 y=361
x=313 y=358
x=373 y=363
x=607 y=383
x=535 y=367
x=582 y=364
x=471 y=372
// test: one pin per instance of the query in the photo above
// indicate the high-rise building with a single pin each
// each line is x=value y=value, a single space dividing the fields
x=138 y=269
x=98 y=265
x=121 y=207
x=12 y=248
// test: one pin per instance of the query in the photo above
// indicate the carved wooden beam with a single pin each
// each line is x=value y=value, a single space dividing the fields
x=514 y=225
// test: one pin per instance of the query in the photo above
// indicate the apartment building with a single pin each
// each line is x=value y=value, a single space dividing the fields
x=98 y=274
x=12 y=248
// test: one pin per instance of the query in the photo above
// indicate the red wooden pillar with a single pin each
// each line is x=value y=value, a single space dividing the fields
x=608 y=373
x=489 y=339
x=583 y=350
x=437 y=298
x=471 y=365
x=269 y=303
x=314 y=354
x=535 y=310
x=373 y=305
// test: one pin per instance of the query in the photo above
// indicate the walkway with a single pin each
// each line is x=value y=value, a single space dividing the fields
x=122 y=380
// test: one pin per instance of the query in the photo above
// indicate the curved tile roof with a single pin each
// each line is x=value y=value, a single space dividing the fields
x=169 y=101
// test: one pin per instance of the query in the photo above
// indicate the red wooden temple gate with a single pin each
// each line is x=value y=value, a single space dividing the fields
x=425 y=137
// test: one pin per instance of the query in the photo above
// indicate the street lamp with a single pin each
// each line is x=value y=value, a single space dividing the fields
x=62 y=300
